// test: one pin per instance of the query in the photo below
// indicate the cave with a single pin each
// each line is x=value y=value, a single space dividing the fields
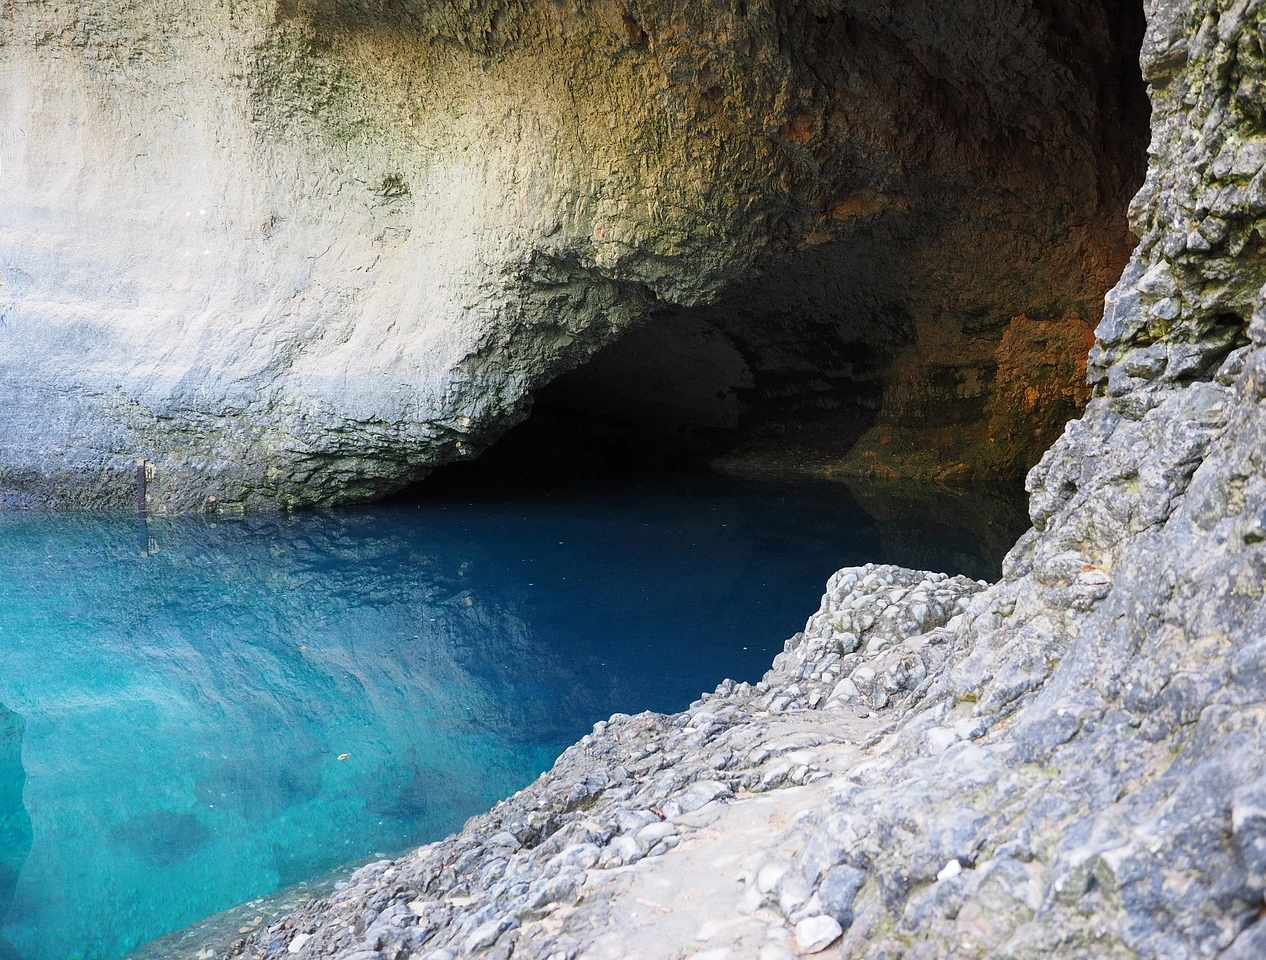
x=833 y=275
x=927 y=313
x=830 y=238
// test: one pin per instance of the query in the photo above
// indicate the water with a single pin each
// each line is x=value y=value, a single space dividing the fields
x=197 y=712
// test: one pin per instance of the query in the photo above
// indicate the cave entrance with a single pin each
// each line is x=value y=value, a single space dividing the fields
x=927 y=307
x=687 y=392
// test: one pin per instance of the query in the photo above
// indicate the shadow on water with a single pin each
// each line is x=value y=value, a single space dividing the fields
x=162 y=838
x=15 y=823
x=218 y=708
x=953 y=529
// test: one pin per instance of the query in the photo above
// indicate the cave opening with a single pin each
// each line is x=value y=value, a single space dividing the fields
x=684 y=392
x=931 y=325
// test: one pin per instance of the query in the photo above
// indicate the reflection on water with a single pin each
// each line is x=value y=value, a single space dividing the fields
x=935 y=527
x=15 y=824
x=201 y=712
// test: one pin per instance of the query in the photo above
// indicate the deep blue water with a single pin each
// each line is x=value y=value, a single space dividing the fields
x=196 y=712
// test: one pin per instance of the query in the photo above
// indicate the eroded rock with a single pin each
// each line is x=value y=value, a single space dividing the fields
x=296 y=253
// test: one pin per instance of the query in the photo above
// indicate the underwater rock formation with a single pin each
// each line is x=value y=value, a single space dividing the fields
x=1071 y=762
x=301 y=251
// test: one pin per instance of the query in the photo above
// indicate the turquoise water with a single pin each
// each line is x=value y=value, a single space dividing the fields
x=197 y=712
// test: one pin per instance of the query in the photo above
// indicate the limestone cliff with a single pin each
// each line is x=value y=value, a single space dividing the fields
x=300 y=251
x=1071 y=762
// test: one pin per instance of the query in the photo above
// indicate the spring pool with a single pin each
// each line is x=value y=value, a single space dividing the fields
x=195 y=712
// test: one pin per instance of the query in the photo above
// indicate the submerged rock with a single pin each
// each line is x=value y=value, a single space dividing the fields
x=162 y=837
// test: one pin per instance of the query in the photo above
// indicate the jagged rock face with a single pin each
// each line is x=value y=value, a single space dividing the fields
x=300 y=252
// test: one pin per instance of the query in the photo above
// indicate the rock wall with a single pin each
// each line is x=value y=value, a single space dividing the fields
x=300 y=251
x=1068 y=763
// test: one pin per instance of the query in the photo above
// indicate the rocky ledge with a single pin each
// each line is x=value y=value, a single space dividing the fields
x=575 y=864
x=1069 y=762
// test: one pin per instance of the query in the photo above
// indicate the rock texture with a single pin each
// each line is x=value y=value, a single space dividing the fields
x=1068 y=763
x=300 y=251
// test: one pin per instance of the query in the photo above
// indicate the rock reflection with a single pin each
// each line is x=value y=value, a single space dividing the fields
x=15 y=823
x=239 y=705
x=945 y=528
x=217 y=708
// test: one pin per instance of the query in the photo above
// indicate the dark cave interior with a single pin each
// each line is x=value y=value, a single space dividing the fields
x=938 y=329
x=940 y=336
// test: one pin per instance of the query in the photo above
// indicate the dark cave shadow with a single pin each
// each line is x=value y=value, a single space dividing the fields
x=968 y=529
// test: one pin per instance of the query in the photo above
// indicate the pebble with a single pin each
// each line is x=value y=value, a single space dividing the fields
x=815 y=934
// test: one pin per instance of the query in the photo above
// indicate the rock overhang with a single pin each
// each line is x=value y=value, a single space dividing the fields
x=303 y=252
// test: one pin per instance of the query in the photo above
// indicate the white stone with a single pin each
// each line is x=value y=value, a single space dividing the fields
x=1094 y=577
x=846 y=689
x=623 y=849
x=484 y=935
x=651 y=834
x=817 y=933
x=877 y=644
x=950 y=870
x=769 y=876
x=752 y=900
x=504 y=839
x=969 y=728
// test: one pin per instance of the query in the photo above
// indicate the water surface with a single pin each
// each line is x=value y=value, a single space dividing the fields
x=197 y=712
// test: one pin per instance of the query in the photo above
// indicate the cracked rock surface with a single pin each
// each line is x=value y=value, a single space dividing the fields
x=1070 y=762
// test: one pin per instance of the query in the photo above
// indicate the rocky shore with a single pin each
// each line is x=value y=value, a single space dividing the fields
x=1070 y=762
x=576 y=863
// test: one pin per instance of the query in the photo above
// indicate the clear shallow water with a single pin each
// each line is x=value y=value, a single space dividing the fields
x=197 y=712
